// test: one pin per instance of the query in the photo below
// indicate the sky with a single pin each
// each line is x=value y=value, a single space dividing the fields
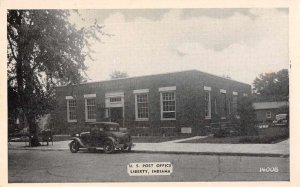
x=239 y=43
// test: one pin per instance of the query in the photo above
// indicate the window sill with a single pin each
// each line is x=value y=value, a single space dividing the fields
x=142 y=119
x=90 y=120
x=223 y=117
x=207 y=117
x=166 y=119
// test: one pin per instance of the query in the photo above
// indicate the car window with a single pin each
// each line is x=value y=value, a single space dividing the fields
x=113 y=128
x=96 y=128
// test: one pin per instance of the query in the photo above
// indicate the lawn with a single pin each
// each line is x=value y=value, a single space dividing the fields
x=268 y=135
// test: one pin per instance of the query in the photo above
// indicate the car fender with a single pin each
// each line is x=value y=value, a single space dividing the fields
x=78 y=140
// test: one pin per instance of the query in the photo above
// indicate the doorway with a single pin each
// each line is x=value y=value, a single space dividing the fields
x=116 y=114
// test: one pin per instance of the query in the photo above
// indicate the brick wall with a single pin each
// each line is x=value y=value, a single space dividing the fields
x=189 y=101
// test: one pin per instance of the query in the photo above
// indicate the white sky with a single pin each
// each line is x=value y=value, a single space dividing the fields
x=241 y=43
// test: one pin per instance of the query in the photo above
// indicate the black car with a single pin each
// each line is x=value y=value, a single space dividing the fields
x=104 y=135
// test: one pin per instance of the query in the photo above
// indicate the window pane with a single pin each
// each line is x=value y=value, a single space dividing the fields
x=115 y=99
x=91 y=108
x=168 y=105
x=142 y=105
x=234 y=104
x=169 y=115
x=223 y=97
x=72 y=109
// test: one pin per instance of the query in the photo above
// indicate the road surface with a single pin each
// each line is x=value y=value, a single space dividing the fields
x=63 y=166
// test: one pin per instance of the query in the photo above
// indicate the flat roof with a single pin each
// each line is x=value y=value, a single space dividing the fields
x=270 y=105
x=193 y=70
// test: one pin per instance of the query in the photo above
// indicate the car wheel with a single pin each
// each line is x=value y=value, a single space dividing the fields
x=74 y=147
x=109 y=147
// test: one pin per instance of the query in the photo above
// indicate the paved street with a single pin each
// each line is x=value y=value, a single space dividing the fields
x=63 y=166
x=278 y=149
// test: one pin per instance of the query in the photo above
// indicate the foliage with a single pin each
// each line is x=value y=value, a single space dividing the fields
x=118 y=74
x=272 y=86
x=268 y=135
x=247 y=116
x=44 y=50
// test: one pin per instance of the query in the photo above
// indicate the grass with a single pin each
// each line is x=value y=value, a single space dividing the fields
x=268 y=135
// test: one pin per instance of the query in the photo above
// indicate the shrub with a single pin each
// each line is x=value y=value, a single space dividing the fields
x=220 y=133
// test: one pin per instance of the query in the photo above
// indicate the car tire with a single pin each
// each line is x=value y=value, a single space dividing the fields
x=109 y=147
x=74 y=146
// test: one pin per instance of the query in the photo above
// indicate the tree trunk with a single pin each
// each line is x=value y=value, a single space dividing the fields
x=34 y=140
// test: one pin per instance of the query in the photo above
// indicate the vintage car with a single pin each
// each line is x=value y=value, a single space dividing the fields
x=105 y=135
x=281 y=120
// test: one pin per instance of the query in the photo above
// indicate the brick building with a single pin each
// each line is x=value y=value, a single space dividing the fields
x=164 y=104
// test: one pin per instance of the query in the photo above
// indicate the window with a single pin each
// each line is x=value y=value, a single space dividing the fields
x=90 y=109
x=141 y=106
x=115 y=99
x=234 y=104
x=229 y=106
x=268 y=114
x=207 y=102
x=216 y=106
x=168 y=105
x=223 y=101
x=71 y=110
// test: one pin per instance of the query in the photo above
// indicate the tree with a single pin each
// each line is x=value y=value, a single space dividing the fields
x=44 y=50
x=272 y=86
x=247 y=116
x=118 y=74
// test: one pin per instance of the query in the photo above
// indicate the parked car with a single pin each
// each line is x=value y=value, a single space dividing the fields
x=281 y=120
x=104 y=135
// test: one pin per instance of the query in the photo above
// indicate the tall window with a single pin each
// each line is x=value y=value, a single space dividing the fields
x=90 y=109
x=168 y=105
x=229 y=106
x=216 y=106
x=234 y=104
x=207 y=101
x=142 y=107
x=71 y=109
x=223 y=100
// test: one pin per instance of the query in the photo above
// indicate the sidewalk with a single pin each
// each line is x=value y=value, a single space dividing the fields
x=276 y=150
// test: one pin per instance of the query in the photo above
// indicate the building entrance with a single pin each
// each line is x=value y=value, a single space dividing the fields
x=115 y=103
x=116 y=115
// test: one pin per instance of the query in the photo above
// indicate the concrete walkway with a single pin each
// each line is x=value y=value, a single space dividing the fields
x=280 y=149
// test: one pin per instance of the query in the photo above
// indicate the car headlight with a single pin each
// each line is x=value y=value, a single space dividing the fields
x=77 y=135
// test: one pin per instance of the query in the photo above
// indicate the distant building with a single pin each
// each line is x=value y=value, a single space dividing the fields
x=266 y=111
x=164 y=104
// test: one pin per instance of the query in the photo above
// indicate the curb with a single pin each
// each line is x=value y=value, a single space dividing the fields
x=32 y=149
x=177 y=152
x=216 y=153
